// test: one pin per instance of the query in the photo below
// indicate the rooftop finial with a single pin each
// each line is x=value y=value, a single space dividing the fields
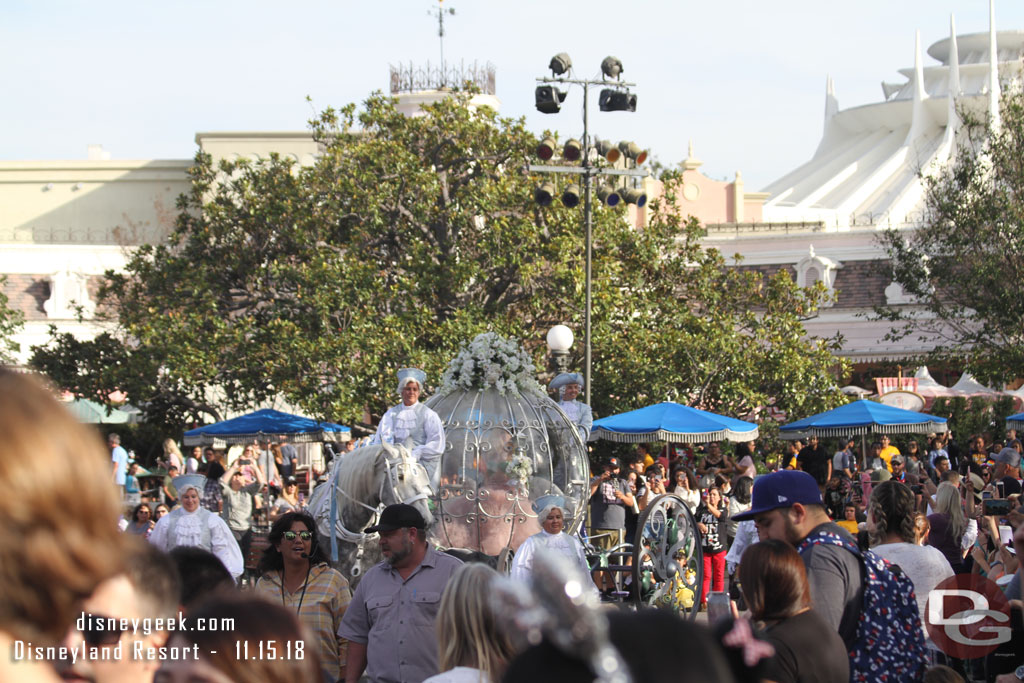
x=919 y=113
x=440 y=28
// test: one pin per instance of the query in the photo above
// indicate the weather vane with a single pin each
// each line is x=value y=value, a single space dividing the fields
x=441 y=11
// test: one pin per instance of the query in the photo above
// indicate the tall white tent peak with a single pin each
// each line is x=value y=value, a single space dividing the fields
x=831 y=102
x=954 y=91
x=920 y=118
x=993 y=68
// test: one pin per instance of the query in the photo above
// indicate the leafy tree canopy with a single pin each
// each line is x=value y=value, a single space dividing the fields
x=10 y=322
x=407 y=237
x=964 y=265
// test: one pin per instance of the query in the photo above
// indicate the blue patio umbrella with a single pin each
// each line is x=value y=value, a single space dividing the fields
x=674 y=423
x=1015 y=422
x=266 y=424
x=863 y=417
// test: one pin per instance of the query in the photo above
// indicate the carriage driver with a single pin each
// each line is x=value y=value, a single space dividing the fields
x=414 y=425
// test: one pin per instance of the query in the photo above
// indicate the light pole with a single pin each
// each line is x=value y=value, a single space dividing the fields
x=615 y=96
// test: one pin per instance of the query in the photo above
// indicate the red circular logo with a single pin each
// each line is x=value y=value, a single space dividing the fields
x=967 y=616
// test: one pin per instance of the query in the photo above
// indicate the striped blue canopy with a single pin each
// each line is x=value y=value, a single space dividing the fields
x=863 y=417
x=1015 y=422
x=672 y=422
x=266 y=424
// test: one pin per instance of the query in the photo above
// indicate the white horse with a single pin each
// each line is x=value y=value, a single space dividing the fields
x=363 y=482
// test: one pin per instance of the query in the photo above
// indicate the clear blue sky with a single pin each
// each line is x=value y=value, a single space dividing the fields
x=744 y=79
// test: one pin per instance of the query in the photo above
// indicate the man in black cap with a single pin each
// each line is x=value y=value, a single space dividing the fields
x=609 y=498
x=390 y=622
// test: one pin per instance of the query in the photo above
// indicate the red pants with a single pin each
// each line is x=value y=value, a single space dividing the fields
x=714 y=567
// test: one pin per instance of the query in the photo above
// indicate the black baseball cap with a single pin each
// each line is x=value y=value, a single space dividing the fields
x=398 y=516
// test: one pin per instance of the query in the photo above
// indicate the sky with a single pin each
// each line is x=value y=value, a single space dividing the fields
x=744 y=80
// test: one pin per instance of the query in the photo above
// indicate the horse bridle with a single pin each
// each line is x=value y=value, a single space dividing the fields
x=391 y=467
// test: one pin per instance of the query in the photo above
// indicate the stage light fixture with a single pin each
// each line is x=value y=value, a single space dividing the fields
x=611 y=67
x=633 y=151
x=607 y=150
x=544 y=193
x=546 y=148
x=548 y=99
x=571 y=196
x=608 y=195
x=634 y=196
x=616 y=100
x=572 y=150
x=560 y=64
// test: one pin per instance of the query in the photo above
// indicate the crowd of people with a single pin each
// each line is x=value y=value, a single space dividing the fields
x=803 y=545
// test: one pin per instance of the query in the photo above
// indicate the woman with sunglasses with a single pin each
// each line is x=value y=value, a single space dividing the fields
x=160 y=511
x=296 y=575
x=142 y=521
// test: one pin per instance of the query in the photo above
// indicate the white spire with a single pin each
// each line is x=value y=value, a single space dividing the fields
x=993 y=68
x=919 y=115
x=831 y=103
x=952 y=118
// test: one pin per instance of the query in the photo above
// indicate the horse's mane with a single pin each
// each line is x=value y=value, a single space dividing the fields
x=356 y=474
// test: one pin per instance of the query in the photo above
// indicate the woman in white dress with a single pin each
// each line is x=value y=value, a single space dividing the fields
x=472 y=645
x=193 y=525
x=551 y=514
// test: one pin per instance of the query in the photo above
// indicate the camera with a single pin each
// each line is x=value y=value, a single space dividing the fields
x=995 y=507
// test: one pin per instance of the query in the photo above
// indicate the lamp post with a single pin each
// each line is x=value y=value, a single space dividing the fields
x=559 y=340
x=614 y=96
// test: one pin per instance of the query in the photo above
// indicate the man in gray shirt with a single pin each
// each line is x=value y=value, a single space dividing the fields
x=787 y=506
x=237 y=507
x=390 y=621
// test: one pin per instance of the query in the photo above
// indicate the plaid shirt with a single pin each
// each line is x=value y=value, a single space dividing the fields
x=212 y=497
x=323 y=605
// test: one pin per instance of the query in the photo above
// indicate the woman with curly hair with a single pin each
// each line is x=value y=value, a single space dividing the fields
x=141 y=521
x=893 y=529
x=297 y=576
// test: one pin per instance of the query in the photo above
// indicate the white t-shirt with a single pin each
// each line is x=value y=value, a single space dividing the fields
x=926 y=566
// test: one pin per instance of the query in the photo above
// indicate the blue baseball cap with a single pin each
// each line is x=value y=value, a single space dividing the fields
x=780 y=490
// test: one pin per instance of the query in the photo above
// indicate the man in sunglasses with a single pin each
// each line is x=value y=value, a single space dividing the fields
x=390 y=621
x=148 y=589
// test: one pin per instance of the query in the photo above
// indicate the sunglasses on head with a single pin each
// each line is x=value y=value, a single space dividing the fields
x=101 y=631
x=304 y=535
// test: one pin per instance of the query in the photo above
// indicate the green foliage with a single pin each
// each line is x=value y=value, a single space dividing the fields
x=11 y=322
x=968 y=416
x=965 y=264
x=407 y=237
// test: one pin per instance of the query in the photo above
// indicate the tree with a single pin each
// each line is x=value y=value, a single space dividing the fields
x=10 y=322
x=407 y=237
x=683 y=325
x=964 y=264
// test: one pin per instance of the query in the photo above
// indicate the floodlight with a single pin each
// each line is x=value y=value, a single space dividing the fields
x=607 y=150
x=560 y=63
x=634 y=196
x=572 y=150
x=548 y=99
x=611 y=67
x=546 y=148
x=633 y=151
x=571 y=196
x=544 y=193
x=616 y=100
x=608 y=195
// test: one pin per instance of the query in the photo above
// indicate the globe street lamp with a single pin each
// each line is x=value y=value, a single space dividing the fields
x=560 y=339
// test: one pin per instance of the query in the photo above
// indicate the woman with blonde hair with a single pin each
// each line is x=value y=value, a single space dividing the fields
x=951 y=532
x=172 y=456
x=59 y=537
x=472 y=647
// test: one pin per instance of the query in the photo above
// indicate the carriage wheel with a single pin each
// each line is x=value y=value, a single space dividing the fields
x=668 y=565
